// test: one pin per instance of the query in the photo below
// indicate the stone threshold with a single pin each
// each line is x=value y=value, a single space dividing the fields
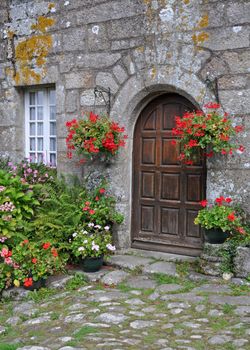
x=156 y=255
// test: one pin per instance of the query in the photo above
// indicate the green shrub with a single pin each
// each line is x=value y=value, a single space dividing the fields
x=17 y=205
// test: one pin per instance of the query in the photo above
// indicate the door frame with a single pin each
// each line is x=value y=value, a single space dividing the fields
x=146 y=244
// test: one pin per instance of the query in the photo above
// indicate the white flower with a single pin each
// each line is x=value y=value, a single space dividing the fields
x=110 y=247
x=106 y=228
x=74 y=234
x=95 y=247
x=85 y=241
x=80 y=249
x=91 y=224
x=69 y=240
x=97 y=226
x=84 y=232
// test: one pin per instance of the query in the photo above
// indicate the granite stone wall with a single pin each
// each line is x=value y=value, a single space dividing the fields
x=138 y=48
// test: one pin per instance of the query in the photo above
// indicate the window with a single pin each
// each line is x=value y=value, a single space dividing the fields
x=40 y=126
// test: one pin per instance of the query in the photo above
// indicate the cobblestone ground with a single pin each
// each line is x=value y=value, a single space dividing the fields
x=139 y=304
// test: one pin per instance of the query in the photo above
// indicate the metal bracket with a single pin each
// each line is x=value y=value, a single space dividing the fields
x=213 y=86
x=99 y=91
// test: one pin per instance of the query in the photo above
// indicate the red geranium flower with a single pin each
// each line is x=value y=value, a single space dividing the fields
x=46 y=245
x=231 y=217
x=92 y=211
x=54 y=252
x=102 y=190
x=219 y=200
x=212 y=105
x=28 y=282
x=203 y=203
x=228 y=200
x=34 y=260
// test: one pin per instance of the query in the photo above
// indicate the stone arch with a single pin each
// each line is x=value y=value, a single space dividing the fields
x=136 y=93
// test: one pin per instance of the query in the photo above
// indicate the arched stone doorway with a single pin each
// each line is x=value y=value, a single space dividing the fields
x=165 y=193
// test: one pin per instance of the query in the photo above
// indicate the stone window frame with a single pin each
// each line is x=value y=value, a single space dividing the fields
x=47 y=156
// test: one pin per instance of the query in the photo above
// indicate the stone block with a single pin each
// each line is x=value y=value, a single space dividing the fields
x=74 y=39
x=233 y=82
x=242 y=262
x=88 y=99
x=129 y=27
x=108 y=10
x=237 y=102
x=166 y=268
x=238 y=12
x=229 y=38
x=114 y=277
x=97 y=60
x=238 y=62
x=66 y=62
x=71 y=101
x=97 y=37
x=124 y=44
x=128 y=261
x=76 y=80
x=120 y=73
x=106 y=80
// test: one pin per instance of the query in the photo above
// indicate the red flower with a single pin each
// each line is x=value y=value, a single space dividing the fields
x=241 y=148
x=209 y=155
x=192 y=143
x=102 y=190
x=87 y=203
x=173 y=142
x=228 y=200
x=224 y=137
x=241 y=230
x=239 y=128
x=28 y=282
x=189 y=162
x=212 y=105
x=223 y=152
x=93 y=117
x=97 y=198
x=26 y=241
x=231 y=217
x=203 y=203
x=219 y=200
x=92 y=211
x=34 y=260
x=46 y=245
x=54 y=252
x=69 y=155
x=85 y=208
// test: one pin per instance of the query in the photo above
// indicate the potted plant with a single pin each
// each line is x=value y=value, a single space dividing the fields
x=220 y=220
x=94 y=136
x=33 y=262
x=199 y=131
x=90 y=244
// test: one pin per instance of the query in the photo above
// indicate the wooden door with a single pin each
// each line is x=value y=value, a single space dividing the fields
x=166 y=194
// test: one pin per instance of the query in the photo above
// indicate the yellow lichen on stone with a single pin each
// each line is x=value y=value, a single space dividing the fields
x=43 y=23
x=51 y=6
x=31 y=53
x=186 y=2
x=203 y=22
x=200 y=38
x=10 y=34
x=153 y=73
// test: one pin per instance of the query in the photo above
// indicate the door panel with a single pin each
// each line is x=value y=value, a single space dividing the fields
x=166 y=193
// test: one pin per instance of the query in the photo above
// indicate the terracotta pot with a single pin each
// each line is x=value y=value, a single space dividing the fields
x=91 y=264
x=216 y=236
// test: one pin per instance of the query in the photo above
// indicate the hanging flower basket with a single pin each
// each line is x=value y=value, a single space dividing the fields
x=221 y=220
x=94 y=137
x=198 y=131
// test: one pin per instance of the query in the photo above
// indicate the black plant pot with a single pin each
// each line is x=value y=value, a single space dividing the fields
x=216 y=236
x=41 y=283
x=90 y=264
